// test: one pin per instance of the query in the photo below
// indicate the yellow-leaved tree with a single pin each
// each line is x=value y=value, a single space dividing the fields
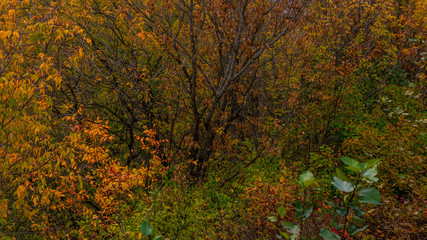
x=57 y=178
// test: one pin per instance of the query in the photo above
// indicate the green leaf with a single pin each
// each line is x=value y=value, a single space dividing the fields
x=291 y=228
x=272 y=218
x=341 y=211
x=282 y=211
x=363 y=166
x=329 y=235
x=355 y=231
x=357 y=219
x=343 y=186
x=370 y=195
x=307 y=213
x=145 y=228
x=158 y=237
x=352 y=164
x=371 y=163
x=352 y=229
x=307 y=178
x=342 y=175
x=358 y=211
x=285 y=235
x=371 y=173
x=298 y=207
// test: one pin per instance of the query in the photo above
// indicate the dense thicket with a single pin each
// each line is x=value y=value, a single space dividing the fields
x=193 y=117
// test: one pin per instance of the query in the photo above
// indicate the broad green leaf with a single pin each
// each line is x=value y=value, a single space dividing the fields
x=358 y=211
x=352 y=164
x=341 y=211
x=372 y=162
x=291 y=228
x=363 y=166
x=304 y=213
x=370 y=195
x=329 y=235
x=371 y=173
x=342 y=175
x=352 y=228
x=158 y=237
x=307 y=213
x=298 y=206
x=282 y=211
x=272 y=218
x=145 y=228
x=357 y=219
x=307 y=178
x=285 y=235
x=355 y=231
x=342 y=185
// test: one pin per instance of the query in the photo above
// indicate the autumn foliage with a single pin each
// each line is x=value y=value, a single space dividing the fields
x=190 y=119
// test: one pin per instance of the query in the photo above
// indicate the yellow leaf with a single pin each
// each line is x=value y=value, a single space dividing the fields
x=45 y=200
x=11 y=12
x=15 y=34
x=80 y=182
x=35 y=201
x=21 y=192
x=3 y=208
